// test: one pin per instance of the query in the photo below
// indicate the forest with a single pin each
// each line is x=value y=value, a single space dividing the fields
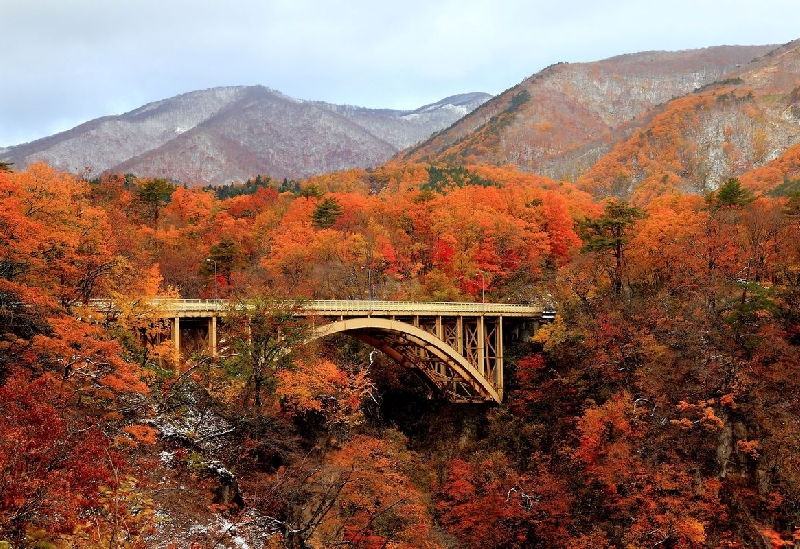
x=659 y=409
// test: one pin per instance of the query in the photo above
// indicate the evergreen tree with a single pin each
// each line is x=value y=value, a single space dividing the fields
x=731 y=193
x=610 y=231
x=326 y=213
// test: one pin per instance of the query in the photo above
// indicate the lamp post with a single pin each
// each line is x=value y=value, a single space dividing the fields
x=209 y=260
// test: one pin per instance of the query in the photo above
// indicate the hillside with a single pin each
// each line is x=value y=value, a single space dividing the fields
x=559 y=121
x=741 y=123
x=230 y=134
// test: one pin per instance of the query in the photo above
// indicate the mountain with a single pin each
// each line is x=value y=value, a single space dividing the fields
x=229 y=134
x=560 y=121
x=744 y=125
x=633 y=126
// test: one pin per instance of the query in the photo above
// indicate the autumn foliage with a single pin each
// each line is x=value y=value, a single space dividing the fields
x=658 y=409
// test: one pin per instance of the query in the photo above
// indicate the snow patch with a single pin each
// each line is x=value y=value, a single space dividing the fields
x=201 y=427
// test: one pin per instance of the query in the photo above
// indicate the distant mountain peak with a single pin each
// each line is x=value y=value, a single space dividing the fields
x=232 y=133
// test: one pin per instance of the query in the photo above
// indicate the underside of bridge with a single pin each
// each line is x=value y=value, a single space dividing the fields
x=460 y=358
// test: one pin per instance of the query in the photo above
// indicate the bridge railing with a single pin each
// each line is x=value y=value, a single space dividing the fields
x=417 y=307
x=344 y=306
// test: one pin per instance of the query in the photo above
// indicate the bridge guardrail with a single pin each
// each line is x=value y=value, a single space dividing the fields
x=344 y=306
x=417 y=307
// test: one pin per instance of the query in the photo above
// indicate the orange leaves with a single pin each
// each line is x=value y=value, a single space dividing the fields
x=774 y=539
x=321 y=386
x=378 y=505
x=749 y=447
x=702 y=414
x=141 y=434
x=53 y=235
x=508 y=230
x=657 y=253
x=83 y=356
x=560 y=227
x=190 y=207
x=694 y=143
x=606 y=441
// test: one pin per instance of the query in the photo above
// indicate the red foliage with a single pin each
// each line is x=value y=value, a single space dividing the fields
x=53 y=462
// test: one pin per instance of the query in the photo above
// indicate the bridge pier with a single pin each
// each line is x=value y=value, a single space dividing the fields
x=200 y=334
x=176 y=333
x=212 y=335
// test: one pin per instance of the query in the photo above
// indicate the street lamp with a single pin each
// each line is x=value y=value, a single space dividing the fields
x=209 y=260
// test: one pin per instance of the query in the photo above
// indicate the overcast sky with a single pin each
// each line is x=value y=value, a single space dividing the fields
x=64 y=62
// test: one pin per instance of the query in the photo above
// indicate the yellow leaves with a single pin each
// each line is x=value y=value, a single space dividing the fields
x=123 y=519
x=552 y=335
x=692 y=529
x=223 y=387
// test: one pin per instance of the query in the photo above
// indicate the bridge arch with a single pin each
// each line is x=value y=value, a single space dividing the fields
x=441 y=365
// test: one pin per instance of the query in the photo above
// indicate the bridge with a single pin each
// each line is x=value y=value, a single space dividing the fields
x=456 y=348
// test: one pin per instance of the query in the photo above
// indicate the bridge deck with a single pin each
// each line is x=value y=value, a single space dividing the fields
x=192 y=307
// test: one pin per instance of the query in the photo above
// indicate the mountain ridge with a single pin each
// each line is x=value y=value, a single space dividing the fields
x=166 y=138
x=567 y=106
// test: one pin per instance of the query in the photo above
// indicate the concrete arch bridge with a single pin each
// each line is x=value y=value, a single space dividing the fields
x=457 y=348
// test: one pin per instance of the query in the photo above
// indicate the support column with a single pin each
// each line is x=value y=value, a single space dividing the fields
x=176 y=334
x=439 y=329
x=481 y=346
x=460 y=335
x=498 y=364
x=212 y=335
